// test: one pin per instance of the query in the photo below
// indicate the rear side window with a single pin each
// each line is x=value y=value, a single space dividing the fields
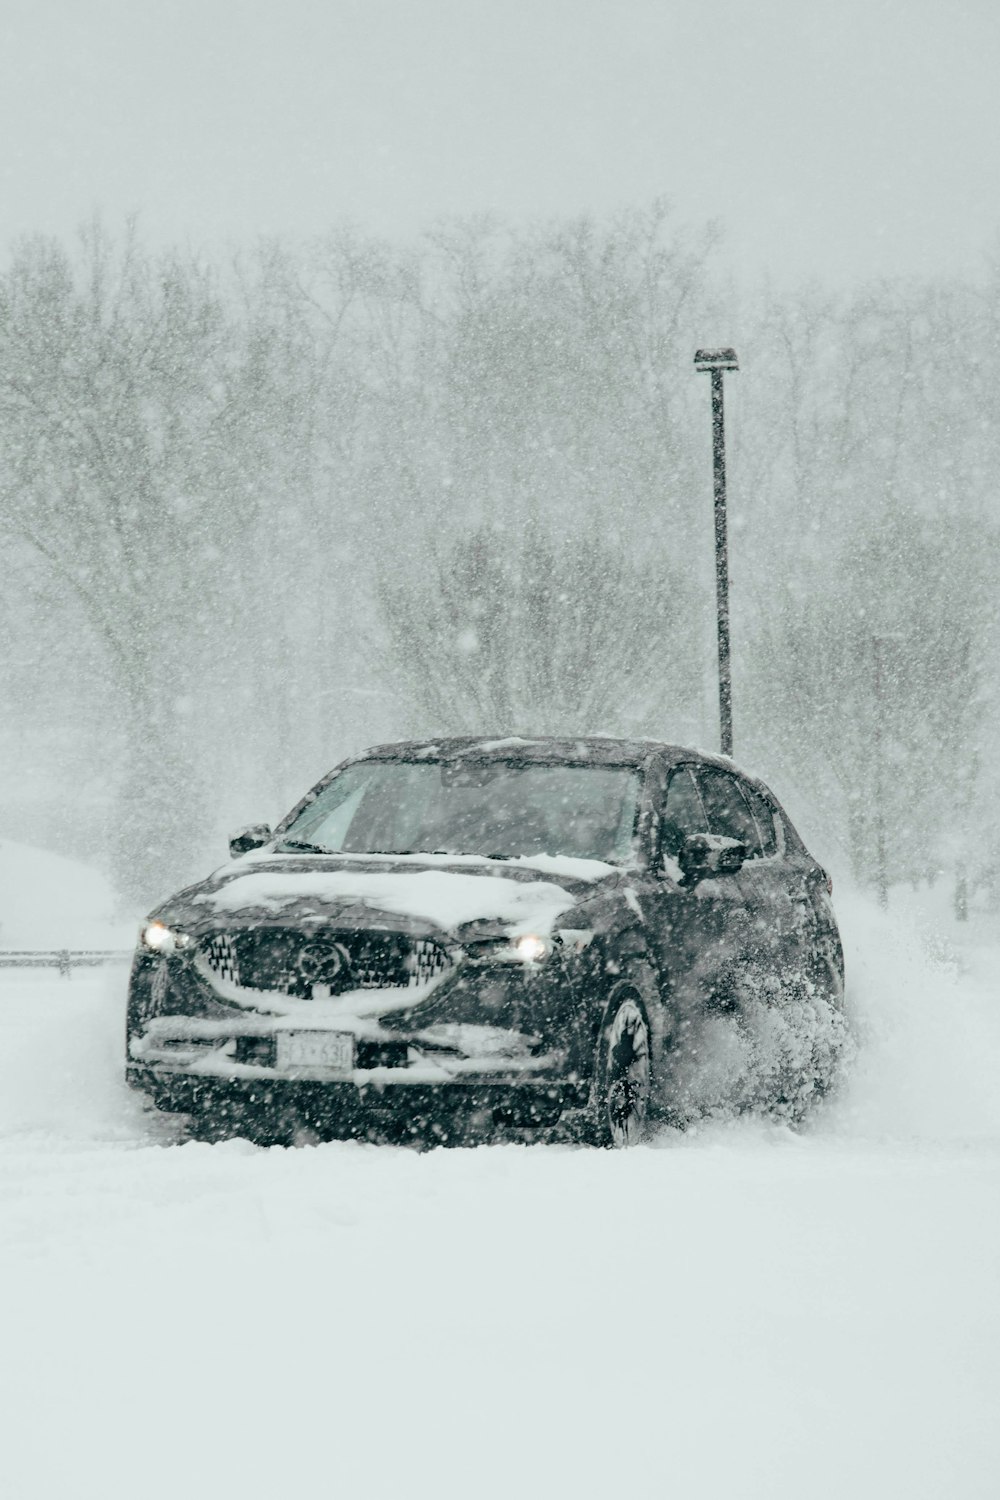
x=728 y=813
x=682 y=812
x=763 y=817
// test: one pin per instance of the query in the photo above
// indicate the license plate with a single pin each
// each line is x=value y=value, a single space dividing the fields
x=316 y=1049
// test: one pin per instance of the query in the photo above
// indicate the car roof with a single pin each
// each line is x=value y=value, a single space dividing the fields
x=542 y=750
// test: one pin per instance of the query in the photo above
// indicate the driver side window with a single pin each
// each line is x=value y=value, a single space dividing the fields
x=683 y=813
x=728 y=812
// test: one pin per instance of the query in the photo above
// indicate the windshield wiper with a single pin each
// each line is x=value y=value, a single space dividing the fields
x=301 y=846
x=407 y=851
x=451 y=853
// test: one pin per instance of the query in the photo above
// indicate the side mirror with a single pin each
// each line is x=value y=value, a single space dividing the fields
x=249 y=838
x=705 y=855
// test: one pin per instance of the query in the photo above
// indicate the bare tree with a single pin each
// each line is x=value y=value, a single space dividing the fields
x=530 y=632
x=131 y=464
x=880 y=539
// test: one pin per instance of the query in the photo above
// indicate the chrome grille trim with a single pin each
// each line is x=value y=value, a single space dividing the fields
x=283 y=959
x=221 y=955
x=430 y=961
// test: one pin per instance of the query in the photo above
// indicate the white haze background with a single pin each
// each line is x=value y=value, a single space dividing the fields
x=380 y=418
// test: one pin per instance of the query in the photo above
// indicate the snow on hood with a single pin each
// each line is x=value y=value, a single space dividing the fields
x=444 y=897
x=571 y=866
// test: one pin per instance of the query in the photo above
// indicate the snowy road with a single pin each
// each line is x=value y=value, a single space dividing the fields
x=740 y=1311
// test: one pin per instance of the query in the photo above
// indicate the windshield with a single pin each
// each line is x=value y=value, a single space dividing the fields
x=497 y=808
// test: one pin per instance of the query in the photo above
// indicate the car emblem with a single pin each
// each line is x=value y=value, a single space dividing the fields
x=321 y=962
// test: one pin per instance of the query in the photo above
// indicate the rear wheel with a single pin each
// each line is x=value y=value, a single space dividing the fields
x=624 y=1078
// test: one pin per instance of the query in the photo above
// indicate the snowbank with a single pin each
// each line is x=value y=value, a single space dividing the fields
x=925 y=999
x=47 y=901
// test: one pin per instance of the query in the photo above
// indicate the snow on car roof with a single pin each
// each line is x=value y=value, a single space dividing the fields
x=602 y=749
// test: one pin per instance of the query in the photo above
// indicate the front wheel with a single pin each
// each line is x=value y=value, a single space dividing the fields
x=623 y=1078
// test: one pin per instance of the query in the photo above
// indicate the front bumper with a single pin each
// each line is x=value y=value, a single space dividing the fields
x=402 y=1108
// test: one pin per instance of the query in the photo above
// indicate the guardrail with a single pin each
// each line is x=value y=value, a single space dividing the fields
x=63 y=959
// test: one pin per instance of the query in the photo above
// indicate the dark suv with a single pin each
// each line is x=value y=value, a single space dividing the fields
x=456 y=939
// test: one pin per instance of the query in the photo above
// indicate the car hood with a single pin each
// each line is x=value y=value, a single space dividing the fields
x=449 y=894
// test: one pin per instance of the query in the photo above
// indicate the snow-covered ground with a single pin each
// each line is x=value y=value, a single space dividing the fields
x=740 y=1311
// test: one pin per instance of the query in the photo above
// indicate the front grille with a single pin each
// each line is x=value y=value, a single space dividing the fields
x=303 y=964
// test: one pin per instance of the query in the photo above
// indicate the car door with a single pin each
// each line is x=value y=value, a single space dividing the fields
x=696 y=932
x=772 y=946
x=809 y=889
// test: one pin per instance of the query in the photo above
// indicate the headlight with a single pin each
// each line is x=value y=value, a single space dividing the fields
x=163 y=939
x=530 y=948
x=527 y=948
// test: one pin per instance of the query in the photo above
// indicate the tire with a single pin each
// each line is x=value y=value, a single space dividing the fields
x=623 y=1077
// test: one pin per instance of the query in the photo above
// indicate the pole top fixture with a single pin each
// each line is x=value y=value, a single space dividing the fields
x=716 y=359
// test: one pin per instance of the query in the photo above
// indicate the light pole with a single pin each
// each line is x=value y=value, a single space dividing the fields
x=715 y=361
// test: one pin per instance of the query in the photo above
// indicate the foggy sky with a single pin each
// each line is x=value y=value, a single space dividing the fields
x=834 y=140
